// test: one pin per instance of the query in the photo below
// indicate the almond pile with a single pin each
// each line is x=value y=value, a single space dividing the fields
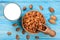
x=31 y=21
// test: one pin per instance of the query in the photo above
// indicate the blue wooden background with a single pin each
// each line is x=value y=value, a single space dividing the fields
x=6 y=25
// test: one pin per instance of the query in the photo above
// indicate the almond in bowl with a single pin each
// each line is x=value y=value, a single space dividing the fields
x=31 y=21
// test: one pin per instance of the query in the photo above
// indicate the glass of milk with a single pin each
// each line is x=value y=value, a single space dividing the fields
x=12 y=11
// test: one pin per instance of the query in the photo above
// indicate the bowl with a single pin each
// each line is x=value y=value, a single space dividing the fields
x=23 y=19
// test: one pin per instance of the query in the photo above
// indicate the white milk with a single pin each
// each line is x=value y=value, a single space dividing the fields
x=12 y=11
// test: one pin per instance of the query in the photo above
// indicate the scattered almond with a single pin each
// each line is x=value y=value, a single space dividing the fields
x=9 y=33
x=41 y=7
x=51 y=9
x=15 y=24
x=53 y=17
x=24 y=8
x=23 y=31
x=17 y=36
x=52 y=21
x=17 y=29
x=30 y=6
x=27 y=36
